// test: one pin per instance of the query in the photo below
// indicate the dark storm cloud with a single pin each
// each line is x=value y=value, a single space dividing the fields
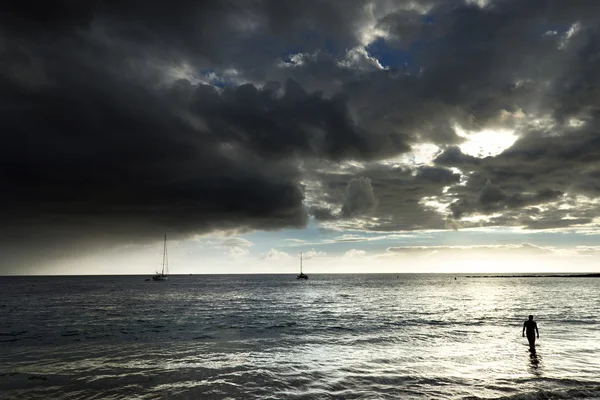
x=84 y=148
x=100 y=147
x=295 y=123
x=211 y=32
x=454 y=157
x=492 y=199
x=360 y=198
x=471 y=64
x=438 y=175
x=487 y=67
x=110 y=130
x=398 y=195
x=549 y=167
x=404 y=27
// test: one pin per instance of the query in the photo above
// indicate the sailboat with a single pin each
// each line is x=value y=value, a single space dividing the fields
x=302 y=275
x=162 y=276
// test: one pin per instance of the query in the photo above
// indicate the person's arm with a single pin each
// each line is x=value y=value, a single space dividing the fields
x=536 y=331
x=524 y=325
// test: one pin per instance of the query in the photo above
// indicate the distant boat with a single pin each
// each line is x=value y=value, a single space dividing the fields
x=162 y=276
x=302 y=275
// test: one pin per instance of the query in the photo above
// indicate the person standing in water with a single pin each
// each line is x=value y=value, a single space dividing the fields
x=531 y=327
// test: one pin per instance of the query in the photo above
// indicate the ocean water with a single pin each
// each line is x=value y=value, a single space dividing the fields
x=273 y=337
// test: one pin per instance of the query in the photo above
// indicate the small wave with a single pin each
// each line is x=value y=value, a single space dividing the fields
x=112 y=314
x=71 y=333
x=581 y=392
x=100 y=336
x=566 y=382
x=230 y=327
x=580 y=322
x=13 y=333
x=339 y=328
x=284 y=325
x=38 y=377
x=203 y=337
x=374 y=340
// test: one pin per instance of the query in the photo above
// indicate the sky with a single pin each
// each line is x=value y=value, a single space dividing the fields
x=372 y=136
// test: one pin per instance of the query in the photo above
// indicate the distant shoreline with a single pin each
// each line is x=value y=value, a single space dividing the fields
x=287 y=274
x=596 y=275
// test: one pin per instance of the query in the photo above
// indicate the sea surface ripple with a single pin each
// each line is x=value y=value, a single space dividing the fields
x=372 y=336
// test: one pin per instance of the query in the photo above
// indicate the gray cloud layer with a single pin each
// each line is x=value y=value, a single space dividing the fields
x=122 y=120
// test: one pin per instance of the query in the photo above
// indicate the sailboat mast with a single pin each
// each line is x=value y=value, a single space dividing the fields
x=300 y=263
x=164 y=254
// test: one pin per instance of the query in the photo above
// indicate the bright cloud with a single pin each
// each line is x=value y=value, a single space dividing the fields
x=485 y=143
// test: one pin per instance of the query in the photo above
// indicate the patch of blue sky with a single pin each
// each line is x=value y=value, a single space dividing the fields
x=394 y=57
x=217 y=78
x=287 y=56
x=429 y=19
x=315 y=39
x=309 y=42
x=540 y=30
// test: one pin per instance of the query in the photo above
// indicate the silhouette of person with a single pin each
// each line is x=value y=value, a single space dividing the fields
x=531 y=327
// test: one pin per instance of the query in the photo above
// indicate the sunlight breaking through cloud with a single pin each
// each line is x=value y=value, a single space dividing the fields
x=485 y=143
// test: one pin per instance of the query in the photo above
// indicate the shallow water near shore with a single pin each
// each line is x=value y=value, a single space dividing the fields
x=273 y=337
